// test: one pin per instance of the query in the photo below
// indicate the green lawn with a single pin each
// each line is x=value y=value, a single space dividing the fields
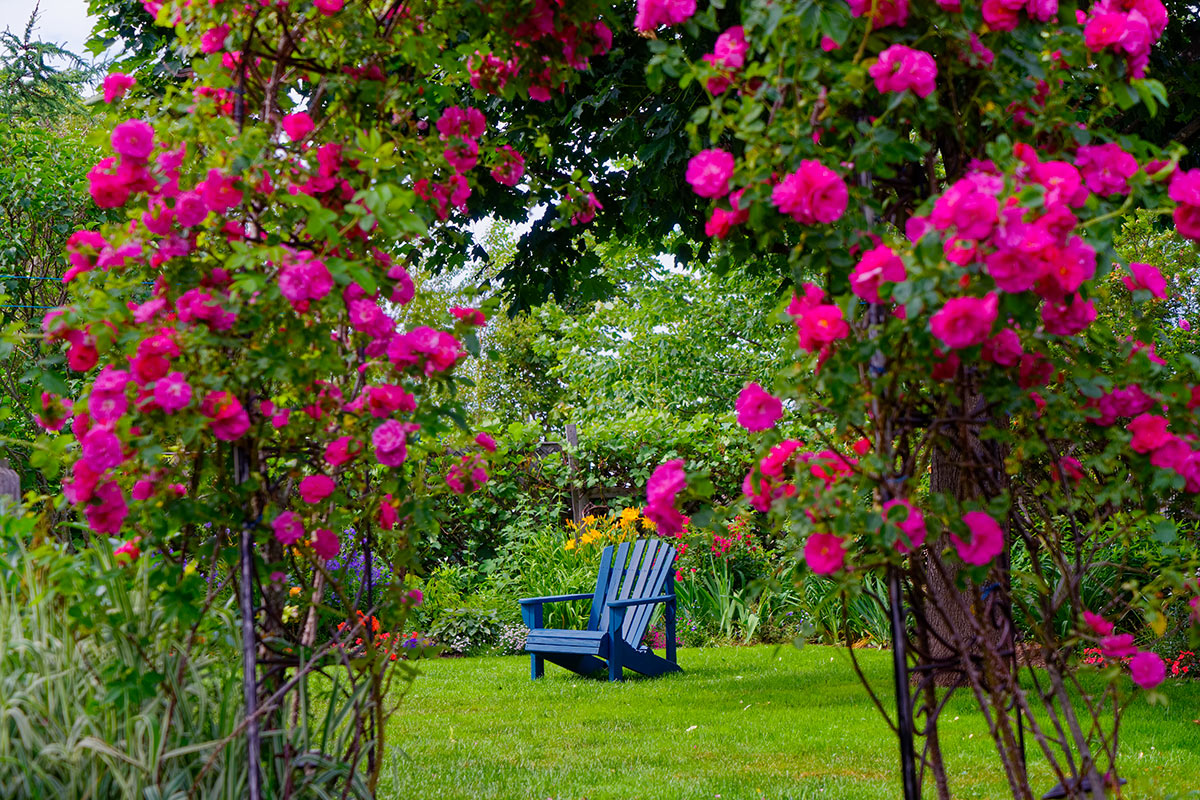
x=740 y=722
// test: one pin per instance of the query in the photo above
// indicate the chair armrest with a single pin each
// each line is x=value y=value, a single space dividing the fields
x=557 y=598
x=662 y=598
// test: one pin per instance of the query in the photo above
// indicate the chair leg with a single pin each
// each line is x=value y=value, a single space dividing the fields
x=615 y=671
x=616 y=620
x=537 y=666
x=669 y=612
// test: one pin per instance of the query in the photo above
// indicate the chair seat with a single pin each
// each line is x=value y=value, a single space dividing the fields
x=550 y=640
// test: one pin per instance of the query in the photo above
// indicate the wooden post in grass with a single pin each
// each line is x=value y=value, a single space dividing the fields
x=576 y=488
x=10 y=488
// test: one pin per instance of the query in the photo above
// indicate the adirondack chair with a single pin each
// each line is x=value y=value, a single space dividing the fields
x=631 y=583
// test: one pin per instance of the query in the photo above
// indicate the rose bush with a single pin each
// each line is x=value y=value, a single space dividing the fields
x=250 y=375
x=939 y=185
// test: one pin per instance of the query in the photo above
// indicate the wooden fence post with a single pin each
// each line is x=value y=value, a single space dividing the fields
x=10 y=487
x=573 y=466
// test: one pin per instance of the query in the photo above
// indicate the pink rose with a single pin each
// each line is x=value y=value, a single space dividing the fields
x=190 y=209
x=288 y=528
x=486 y=442
x=509 y=166
x=107 y=510
x=387 y=398
x=1099 y=625
x=387 y=513
x=1004 y=348
x=390 y=441
x=116 y=84
x=1063 y=319
x=653 y=13
x=128 y=552
x=219 y=192
x=315 y=488
x=912 y=527
x=1147 y=669
x=709 y=172
x=329 y=7
x=1103 y=30
x=1106 y=168
x=877 y=266
x=341 y=450
x=464 y=123
x=1147 y=278
x=229 y=419
x=133 y=139
x=213 y=39
x=821 y=325
x=887 y=12
x=1149 y=433
x=987 y=539
x=172 y=393
x=101 y=449
x=298 y=126
x=814 y=193
x=965 y=321
x=1118 y=646
x=325 y=541
x=665 y=483
x=757 y=409
x=824 y=553
x=731 y=48
x=900 y=68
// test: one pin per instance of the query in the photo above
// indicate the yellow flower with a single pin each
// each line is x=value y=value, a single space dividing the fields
x=629 y=515
x=569 y=544
x=295 y=590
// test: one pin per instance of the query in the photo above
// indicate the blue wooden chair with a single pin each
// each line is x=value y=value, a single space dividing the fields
x=630 y=584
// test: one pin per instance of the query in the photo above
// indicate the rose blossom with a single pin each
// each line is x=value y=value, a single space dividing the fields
x=288 y=528
x=107 y=510
x=757 y=409
x=987 y=539
x=665 y=483
x=709 y=172
x=390 y=442
x=1099 y=625
x=1149 y=433
x=877 y=266
x=325 y=542
x=116 y=84
x=1147 y=278
x=1117 y=645
x=1147 y=669
x=298 y=126
x=653 y=13
x=315 y=488
x=133 y=139
x=1106 y=168
x=813 y=193
x=213 y=39
x=965 y=321
x=824 y=553
x=172 y=393
x=900 y=68
x=912 y=527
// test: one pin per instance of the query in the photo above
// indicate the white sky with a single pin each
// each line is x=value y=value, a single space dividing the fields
x=63 y=22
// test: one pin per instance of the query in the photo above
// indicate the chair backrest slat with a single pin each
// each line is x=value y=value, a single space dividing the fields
x=602 y=578
x=657 y=575
x=640 y=582
x=617 y=571
x=632 y=571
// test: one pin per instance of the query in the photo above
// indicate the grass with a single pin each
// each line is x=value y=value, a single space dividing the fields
x=740 y=722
